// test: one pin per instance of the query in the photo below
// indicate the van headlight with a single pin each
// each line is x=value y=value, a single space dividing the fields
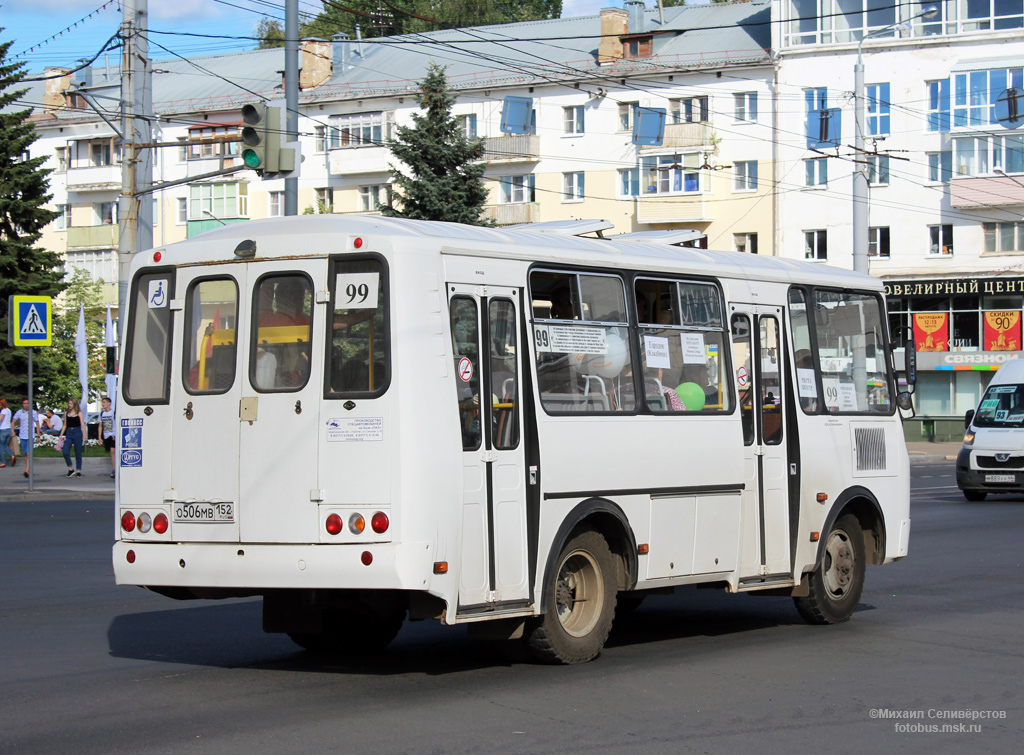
x=969 y=438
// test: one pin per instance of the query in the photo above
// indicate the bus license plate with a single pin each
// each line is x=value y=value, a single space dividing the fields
x=204 y=512
x=1000 y=478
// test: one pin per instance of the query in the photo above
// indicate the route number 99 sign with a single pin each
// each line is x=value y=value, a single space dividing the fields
x=356 y=291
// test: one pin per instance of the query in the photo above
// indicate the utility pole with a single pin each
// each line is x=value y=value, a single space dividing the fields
x=291 y=96
x=134 y=207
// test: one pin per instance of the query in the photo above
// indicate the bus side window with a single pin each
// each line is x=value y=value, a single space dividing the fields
x=279 y=357
x=465 y=347
x=806 y=374
x=211 y=310
x=358 y=360
x=741 y=352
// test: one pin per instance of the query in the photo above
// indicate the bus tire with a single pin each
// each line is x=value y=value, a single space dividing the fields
x=580 y=603
x=836 y=584
x=975 y=495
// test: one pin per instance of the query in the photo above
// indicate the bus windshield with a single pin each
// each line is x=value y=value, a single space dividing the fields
x=1001 y=406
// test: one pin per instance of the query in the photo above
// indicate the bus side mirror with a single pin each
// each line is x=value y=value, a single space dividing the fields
x=904 y=401
x=967 y=419
x=910 y=360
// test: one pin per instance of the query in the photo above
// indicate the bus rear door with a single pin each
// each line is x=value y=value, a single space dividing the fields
x=757 y=360
x=494 y=570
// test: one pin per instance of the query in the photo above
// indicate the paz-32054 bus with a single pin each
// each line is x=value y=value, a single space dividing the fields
x=362 y=419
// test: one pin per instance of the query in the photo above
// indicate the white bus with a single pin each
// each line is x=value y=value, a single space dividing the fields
x=362 y=419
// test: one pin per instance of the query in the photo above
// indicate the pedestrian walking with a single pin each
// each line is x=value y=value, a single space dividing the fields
x=107 y=431
x=28 y=422
x=5 y=434
x=72 y=434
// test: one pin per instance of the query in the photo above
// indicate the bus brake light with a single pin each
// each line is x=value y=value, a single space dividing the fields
x=334 y=524
x=160 y=524
x=380 y=522
x=128 y=521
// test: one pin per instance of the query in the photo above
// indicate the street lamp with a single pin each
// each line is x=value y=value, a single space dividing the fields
x=998 y=169
x=860 y=179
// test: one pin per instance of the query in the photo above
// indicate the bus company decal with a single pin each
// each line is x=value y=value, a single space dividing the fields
x=131 y=442
x=355 y=429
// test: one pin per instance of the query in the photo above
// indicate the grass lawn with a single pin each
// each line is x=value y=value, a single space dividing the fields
x=49 y=453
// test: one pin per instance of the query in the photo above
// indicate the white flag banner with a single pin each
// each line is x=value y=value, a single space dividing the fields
x=82 y=355
x=110 y=379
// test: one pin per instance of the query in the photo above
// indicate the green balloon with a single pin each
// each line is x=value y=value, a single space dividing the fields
x=692 y=396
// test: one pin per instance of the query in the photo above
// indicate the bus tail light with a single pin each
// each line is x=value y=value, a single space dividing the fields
x=380 y=522
x=130 y=557
x=144 y=522
x=356 y=524
x=160 y=523
x=128 y=521
x=334 y=524
x=366 y=558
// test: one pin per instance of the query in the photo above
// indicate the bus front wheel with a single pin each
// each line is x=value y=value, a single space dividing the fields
x=580 y=603
x=836 y=584
x=975 y=495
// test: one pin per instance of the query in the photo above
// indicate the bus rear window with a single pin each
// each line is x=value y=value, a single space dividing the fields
x=358 y=347
x=148 y=353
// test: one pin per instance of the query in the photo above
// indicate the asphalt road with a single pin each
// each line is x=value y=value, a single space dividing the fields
x=88 y=667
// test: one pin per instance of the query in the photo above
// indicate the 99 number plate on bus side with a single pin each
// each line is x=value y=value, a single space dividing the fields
x=204 y=512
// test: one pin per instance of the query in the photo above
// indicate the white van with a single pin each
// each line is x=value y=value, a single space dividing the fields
x=992 y=457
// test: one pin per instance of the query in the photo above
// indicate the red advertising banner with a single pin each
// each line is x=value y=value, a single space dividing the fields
x=1002 y=330
x=931 y=331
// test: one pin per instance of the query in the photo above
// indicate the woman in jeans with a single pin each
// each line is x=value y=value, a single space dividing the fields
x=5 y=434
x=72 y=432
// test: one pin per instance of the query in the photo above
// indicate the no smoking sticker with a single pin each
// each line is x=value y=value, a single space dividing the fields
x=741 y=377
x=465 y=370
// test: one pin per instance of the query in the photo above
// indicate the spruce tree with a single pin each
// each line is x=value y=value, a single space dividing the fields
x=24 y=190
x=439 y=178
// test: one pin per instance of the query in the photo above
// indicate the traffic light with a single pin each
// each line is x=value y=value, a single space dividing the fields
x=263 y=149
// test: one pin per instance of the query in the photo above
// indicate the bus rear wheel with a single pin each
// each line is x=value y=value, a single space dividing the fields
x=580 y=603
x=837 y=582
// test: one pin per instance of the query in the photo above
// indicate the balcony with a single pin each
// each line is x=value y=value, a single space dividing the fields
x=978 y=193
x=680 y=135
x=512 y=148
x=671 y=209
x=356 y=160
x=512 y=214
x=94 y=178
x=92 y=236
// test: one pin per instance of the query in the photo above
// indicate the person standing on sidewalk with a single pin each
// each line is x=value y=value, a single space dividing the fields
x=28 y=422
x=5 y=434
x=72 y=431
x=107 y=431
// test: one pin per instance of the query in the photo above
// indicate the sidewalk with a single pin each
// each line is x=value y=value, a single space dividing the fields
x=49 y=481
x=922 y=450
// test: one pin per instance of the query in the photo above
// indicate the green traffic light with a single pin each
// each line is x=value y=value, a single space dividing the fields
x=250 y=158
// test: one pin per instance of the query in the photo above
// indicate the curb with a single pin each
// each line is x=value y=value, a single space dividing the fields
x=925 y=458
x=57 y=495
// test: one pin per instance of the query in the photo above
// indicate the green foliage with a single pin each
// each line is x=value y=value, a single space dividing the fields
x=440 y=178
x=270 y=33
x=25 y=269
x=56 y=369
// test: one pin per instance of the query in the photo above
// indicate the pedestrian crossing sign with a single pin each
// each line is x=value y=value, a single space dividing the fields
x=30 y=321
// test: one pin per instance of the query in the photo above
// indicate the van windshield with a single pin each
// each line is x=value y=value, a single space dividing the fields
x=1001 y=406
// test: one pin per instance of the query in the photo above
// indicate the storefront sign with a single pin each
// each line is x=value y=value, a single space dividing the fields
x=964 y=360
x=954 y=286
x=931 y=331
x=1002 y=330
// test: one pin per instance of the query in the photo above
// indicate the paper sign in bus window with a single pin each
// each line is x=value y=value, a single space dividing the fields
x=356 y=291
x=805 y=382
x=656 y=349
x=578 y=339
x=693 y=348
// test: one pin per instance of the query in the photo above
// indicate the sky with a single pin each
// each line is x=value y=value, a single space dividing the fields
x=49 y=33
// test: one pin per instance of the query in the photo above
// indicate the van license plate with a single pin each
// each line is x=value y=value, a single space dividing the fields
x=1000 y=478
x=204 y=512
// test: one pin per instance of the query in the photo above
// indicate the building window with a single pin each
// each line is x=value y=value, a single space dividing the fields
x=816 y=171
x=104 y=213
x=63 y=221
x=878 y=109
x=572 y=187
x=467 y=125
x=938 y=105
x=975 y=93
x=212 y=149
x=629 y=182
x=275 y=207
x=1004 y=237
x=815 y=245
x=627 y=113
x=638 y=47
x=745 y=242
x=981 y=15
x=745 y=106
x=572 y=120
x=359 y=130
x=878 y=242
x=689 y=110
x=878 y=170
x=156 y=212
x=101 y=265
x=325 y=200
x=319 y=139
x=372 y=198
x=181 y=211
x=182 y=149
x=671 y=174
x=745 y=176
x=219 y=200
x=940 y=239
x=981 y=155
x=517 y=189
x=940 y=166
x=61 y=154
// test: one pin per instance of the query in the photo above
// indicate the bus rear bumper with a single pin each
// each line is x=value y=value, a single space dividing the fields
x=405 y=566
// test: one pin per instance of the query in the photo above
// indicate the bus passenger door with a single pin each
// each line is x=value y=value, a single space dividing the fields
x=757 y=360
x=493 y=570
x=206 y=379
